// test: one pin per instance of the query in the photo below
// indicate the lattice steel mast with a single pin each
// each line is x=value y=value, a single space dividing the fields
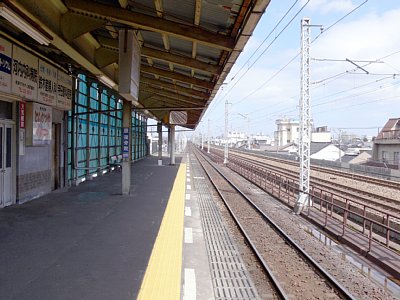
x=305 y=118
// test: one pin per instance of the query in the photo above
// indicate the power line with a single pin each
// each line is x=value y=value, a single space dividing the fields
x=269 y=34
x=290 y=61
x=267 y=46
x=270 y=44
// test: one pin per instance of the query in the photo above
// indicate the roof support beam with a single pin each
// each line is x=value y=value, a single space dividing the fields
x=73 y=25
x=177 y=76
x=104 y=57
x=180 y=60
x=173 y=87
x=137 y=20
x=166 y=56
x=172 y=95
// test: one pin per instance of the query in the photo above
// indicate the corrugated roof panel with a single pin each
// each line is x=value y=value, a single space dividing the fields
x=184 y=70
x=152 y=38
x=179 y=10
x=207 y=53
x=143 y=6
x=161 y=64
x=180 y=45
x=219 y=15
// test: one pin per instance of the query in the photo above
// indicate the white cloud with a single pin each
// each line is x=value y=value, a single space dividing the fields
x=330 y=6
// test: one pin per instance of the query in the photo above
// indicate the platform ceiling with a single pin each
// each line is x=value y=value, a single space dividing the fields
x=187 y=47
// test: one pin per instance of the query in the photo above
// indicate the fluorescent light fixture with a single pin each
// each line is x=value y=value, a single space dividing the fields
x=107 y=81
x=104 y=172
x=94 y=175
x=19 y=21
x=112 y=168
x=83 y=179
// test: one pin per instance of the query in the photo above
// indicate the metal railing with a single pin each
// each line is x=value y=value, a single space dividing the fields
x=388 y=135
x=380 y=227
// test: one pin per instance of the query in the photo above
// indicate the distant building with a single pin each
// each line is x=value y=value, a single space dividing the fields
x=321 y=135
x=287 y=132
x=386 y=147
x=358 y=159
x=325 y=151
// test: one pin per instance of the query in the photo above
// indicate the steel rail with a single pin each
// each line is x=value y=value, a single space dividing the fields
x=332 y=281
x=279 y=290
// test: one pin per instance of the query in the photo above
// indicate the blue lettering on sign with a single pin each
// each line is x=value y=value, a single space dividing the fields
x=125 y=148
x=5 y=63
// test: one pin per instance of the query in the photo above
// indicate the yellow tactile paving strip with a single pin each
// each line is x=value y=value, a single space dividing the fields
x=162 y=279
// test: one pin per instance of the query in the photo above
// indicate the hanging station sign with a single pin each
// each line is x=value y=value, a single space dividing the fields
x=129 y=65
x=47 y=91
x=24 y=74
x=178 y=117
x=64 y=91
x=5 y=65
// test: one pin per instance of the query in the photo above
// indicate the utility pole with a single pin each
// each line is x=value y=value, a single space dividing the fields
x=340 y=144
x=208 y=137
x=305 y=118
x=226 y=133
x=246 y=116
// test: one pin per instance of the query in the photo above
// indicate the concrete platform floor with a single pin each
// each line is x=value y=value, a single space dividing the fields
x=89 y=242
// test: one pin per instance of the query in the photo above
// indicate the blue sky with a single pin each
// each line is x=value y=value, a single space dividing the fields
x=350 y=99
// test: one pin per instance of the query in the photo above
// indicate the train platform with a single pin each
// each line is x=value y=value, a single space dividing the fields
x=91 y=242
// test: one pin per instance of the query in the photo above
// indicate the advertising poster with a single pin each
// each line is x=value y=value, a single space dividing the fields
x=64 y=91
x=42 y=117
x=5 y=65
x=47 y=89
x=24 y=74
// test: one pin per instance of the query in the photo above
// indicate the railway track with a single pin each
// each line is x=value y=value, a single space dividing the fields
x=352 y=193
x=292 y=272
x=369 y=179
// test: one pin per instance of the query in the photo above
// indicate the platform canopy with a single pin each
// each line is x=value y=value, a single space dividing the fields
x=187 y=47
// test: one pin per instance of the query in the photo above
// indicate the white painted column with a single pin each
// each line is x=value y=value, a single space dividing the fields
x=172 y=144
x=126 y=156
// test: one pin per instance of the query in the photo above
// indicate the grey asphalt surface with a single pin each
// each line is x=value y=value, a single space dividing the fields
x=89 y=242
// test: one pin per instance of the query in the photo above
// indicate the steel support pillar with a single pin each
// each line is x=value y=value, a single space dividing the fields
x=169 y=141
x=208 y=137
x=305 y=119
x=172 y=150
x=226 y=133
x=126 y=156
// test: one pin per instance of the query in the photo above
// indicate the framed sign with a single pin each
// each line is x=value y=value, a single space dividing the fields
x=125 y=143
x=24 y=74
x=5 y=65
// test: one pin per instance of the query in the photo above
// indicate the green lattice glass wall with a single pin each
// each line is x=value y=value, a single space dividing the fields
x=95 y=130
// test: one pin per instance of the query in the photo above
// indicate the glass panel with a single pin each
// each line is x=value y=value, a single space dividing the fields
x=8 y=147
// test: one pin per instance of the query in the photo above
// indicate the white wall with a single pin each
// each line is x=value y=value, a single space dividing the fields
x=330 y=152
x=321 y=137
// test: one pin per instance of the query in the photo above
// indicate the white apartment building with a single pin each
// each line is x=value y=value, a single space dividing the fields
x=287 y=131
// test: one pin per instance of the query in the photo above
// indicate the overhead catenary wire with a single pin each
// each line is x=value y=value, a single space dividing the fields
x=217 y=101
x=298 y=54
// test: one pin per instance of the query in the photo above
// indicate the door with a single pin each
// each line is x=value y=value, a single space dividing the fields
x=55 y=150
x=6 y=182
